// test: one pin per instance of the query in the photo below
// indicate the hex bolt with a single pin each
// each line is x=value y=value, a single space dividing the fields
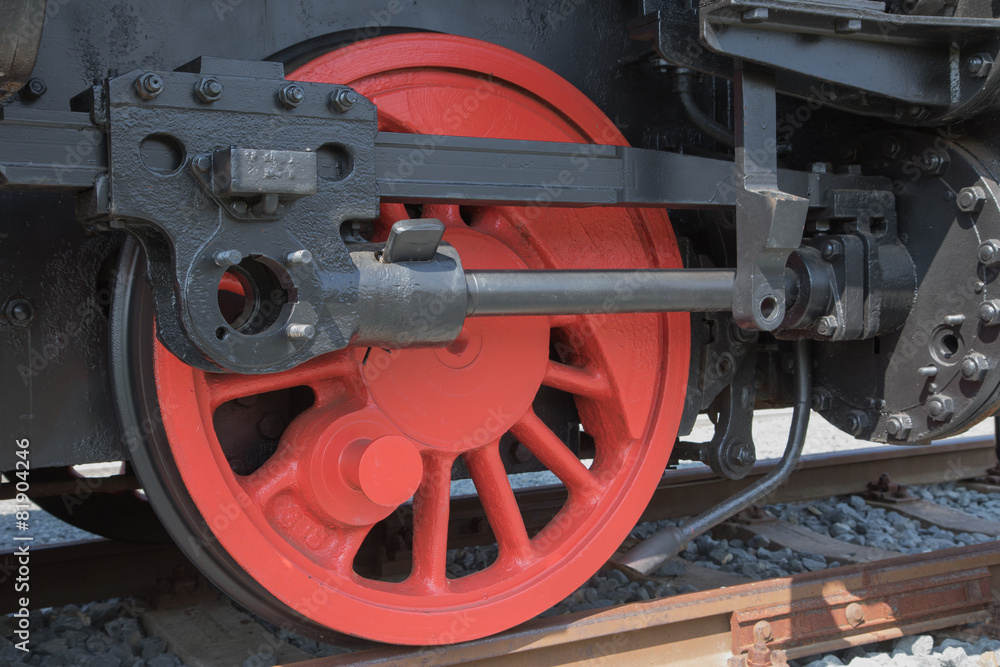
x=857 y=422
x=291 y=95
x=149 y=85
x=975 y=366
x=979 y=65
x=208 y=89
x=989 y=312
x=827 y=325
x=227 y=258
x=971 y=199
x=343 y=100
x=34 y=89
x=298 y=258
x=899 y=426
x=202 y=163
x=19 y=312
x=940 y=407
x=821 y=399
x=989 y=252
x=300 y=331
x=855 y=614
x=745 y=455
x=832 y=249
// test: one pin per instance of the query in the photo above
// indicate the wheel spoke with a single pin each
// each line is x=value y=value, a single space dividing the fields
x=493 y=487
x=317 y=374
x=541 y=441
x=431 y=506
x=275 y=476
x=339 y=552
x=577 y=381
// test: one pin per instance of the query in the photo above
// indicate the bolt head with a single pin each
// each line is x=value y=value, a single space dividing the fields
x=940 y=407
x=971 y=199
x=831 y=249
x=979 y=65
x=989 y=312
x=821 y=399
x=202 y=163
x=208 y=90
x=827 y=325
x=291 y=95
x=855 y=614
x=149 y=85
x=899 y=426
x=34 y=89
x=857 y=422
x=989 y=252
x=19 y=312
x=847 y=26
x=975 y=367
x=343 y=100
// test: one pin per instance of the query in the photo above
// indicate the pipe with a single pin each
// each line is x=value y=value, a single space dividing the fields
x=663 y=545
x=705 y=123
x=580 y=292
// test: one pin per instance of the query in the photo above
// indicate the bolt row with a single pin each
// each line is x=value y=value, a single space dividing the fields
x=209 y=89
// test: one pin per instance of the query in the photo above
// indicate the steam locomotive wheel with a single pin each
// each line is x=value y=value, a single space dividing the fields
x=281 y=536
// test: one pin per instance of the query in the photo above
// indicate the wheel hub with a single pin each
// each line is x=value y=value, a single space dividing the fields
x=471 y=392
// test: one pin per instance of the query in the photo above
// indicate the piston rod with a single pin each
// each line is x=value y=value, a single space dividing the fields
x=589 y=291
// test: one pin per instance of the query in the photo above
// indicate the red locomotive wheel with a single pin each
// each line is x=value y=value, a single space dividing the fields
x=388 y=425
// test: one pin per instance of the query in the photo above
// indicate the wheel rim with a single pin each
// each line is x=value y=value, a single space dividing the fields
x=387 y=425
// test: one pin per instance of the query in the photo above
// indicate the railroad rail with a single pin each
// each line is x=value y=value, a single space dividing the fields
x=756 y=623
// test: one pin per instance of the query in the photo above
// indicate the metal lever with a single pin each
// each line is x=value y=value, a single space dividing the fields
x=413 y=241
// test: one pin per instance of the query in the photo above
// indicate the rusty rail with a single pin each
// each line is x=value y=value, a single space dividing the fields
x=803 y=615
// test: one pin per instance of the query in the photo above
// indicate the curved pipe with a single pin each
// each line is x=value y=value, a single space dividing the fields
x=705 y=123
x=663 y=545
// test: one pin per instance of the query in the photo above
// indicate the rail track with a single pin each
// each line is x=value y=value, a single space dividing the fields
x=756 y=623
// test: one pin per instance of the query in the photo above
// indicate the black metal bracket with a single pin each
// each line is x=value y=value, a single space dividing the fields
x=769 y=222
x=847 y=54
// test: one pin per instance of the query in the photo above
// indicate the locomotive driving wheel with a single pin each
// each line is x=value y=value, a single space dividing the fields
x=271 y=482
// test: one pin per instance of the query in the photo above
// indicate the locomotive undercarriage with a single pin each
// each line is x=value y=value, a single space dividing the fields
x=845 y=234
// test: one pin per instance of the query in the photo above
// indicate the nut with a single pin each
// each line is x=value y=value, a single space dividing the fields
x=821 y=399
x=971 y=199
x=208 y=89
x=34 y=89
x=149 y=85
x=857 y=422
x=342 y=100
x=940 y=407
x=989 y=252
x=899 y=426
x=827 y=325
x=975 y=366
x=979 y=65
x=989 y=312
x=291 y=95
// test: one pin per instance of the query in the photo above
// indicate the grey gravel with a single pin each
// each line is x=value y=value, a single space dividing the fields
x=914 y=651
